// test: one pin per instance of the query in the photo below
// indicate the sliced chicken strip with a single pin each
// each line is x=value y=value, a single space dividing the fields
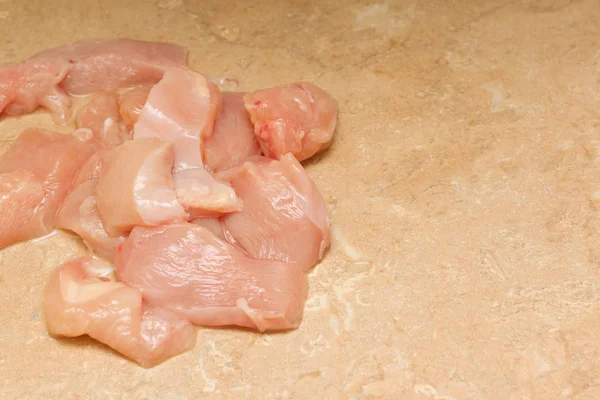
x=55 y=159
x=297 y=118
x=181 y=109
x=77 y=302
x=185 y=268
x=135 y=187
x=284 y=217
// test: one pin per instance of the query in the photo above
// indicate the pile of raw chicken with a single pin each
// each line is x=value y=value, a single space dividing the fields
x=196 y=196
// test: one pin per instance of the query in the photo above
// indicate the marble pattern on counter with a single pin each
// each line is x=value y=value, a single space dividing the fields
x=462 y=185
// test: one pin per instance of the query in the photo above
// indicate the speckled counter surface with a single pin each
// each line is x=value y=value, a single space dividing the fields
x=463 y=185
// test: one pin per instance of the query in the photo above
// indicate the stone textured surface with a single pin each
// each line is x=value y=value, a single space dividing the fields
x=463 y=188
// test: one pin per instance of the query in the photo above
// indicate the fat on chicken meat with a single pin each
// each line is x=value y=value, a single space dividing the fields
x=85 y=67
x=181 y=109
x=101 y=115
x=79 y=213
x=233 y=140
x=54 y=159
x=297 y=118
x=284 y=217
x=135 y=186
x=186 y=269
x=132 y=103
x=21 y=193
x=78 y=302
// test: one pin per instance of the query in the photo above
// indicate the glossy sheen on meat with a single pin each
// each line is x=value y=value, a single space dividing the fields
x=297 y=118
x=284 y=217
x=21 y=192
x=91 y=168
x=135 y=186
x=101 y=115
x=132 y=103
x=77 y=302
x=233 y=140
x=181 y=109
x=212 y=224
x=35 y=83
x=85 y=67
x=188 y=270
x=104 y=64
x=79 y=214
x=55 y=159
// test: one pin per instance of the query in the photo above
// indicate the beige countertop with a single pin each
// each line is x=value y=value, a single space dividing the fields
x=463 y=187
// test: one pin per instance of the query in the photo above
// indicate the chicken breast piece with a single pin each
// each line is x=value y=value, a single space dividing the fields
x=85 y=67
x=181 y=109
x=101 y=115
x=104 y=64
x=297 y=118
x=135 y=187
x=21 y=193
x=55 y=159
x=77 y=302
x=35 y=83
x=79 y=214
x=233 y=140
x=188 y=270
x=284 y=217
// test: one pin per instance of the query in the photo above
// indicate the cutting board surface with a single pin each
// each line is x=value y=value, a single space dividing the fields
x=463 y=187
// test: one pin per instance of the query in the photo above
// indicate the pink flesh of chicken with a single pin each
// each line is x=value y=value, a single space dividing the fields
x=212 y=224
x=85 y=67
x=181 y=109
x=103 y=64
x=284 y=217
x=21 y=192
x=135 y=186
x=77 y=302
x=188 y=270
x=217 y=227
x=132 y=104
x=35 y=83
x=79 y=214
x=101 y=115
x=91 y=168
x=53 y=157
x=233 y=140
x=298 y=118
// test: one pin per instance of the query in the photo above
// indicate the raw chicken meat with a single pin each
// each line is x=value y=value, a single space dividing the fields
x=85 y=67
x=91 y=168
x=135 y=187
x=101 y=115
x=103 y=64
x=297 y=118
x=181 y=108
x=77 y=302
x=233 y=139
x=79 y=214
x=132 y=103
x=55 y=159
x=173 y=148
x=214 y=225
x=284 y=217
x=21 y=192
x=35 y=83
x=186 y=269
